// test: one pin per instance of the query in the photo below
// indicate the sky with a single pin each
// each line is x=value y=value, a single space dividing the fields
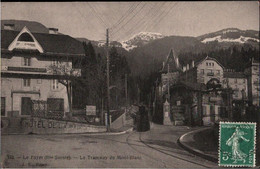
x=125 y=19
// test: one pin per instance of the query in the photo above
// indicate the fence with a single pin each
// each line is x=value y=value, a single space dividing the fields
x=39 y=109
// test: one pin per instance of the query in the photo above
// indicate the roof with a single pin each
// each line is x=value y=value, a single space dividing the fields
x=33 y=26
x=190 y=86
x=173 y=62
x=208 y=58
x=234 y=75
x=51 y=43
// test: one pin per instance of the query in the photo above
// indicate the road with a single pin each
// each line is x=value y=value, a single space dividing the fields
x=156 y=148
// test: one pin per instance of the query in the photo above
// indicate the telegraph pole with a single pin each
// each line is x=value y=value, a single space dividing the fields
x=126 y=100
x=168 y=81
x=108 y=90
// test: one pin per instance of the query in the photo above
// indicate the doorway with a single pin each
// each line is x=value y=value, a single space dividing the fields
x=212 y=113
x=26 y=107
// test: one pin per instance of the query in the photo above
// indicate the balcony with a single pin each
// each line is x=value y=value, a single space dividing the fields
x=76 y=72
x=210 y=74
x=27 y=69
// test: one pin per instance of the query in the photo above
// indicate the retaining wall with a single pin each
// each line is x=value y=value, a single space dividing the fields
x=26 y=125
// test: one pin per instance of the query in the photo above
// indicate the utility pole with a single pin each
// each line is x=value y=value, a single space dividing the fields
x=108 y=90
x=126 y=100
x=168 y=81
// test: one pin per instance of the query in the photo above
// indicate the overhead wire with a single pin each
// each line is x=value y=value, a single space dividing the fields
x=139 y=24
x=131 y=8
x=162 y=16
x=130 y=18
x=159 y=17
x=155 y=14
x=97 y=15
x=111 y=16
x=79 y=11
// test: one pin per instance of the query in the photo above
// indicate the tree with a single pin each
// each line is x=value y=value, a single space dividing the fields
x=65 y=74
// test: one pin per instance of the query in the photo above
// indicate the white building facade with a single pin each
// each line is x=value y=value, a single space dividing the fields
x=26 y=76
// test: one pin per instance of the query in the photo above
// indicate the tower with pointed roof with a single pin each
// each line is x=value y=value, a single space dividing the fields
x=170 y=71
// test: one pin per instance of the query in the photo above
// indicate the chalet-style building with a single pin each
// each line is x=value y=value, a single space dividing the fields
x=253 y=75
x=237 y=81
x=26 y=75
x=202 y=71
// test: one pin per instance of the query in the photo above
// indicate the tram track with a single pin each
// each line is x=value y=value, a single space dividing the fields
x=171 y=155
x=151 y=157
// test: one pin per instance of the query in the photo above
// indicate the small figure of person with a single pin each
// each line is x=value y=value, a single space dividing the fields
x=233 y=141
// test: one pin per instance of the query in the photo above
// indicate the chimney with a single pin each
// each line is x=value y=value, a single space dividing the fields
x=192 y=63
x=177 y=62
x=188 y=66
x=8 y=26
x=184 y=68
x=53 y=30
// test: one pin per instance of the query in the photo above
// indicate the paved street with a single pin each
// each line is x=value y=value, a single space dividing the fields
x=157 y=148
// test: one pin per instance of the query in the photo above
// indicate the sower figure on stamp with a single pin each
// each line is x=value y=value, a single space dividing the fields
x=233 y=141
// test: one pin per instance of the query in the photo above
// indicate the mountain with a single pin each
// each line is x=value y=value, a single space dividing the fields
x=149 y=57
x=140 y=39
x=146 y=51
x=231 y=35
x=100 y=43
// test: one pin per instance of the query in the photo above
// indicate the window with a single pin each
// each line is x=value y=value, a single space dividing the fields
x=26 y=61
x=39 y=81
x=26 y=82
x=236 y=93
x=55 y=84
x=8 y=26
x=204 y=111
x=25 y=37
x=235 y=80
x=202 y=71
x=207 y=63
x=202 y=79
x=2 y=106
x=212 y=64
x=55 y=62
x=218 y=72
x=55 y=104
x=244 y=80
x=223 y=112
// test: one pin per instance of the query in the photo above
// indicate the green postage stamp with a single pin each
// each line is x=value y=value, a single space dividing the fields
x=237 y=144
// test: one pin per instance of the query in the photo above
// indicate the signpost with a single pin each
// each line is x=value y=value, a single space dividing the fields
x=90 y=110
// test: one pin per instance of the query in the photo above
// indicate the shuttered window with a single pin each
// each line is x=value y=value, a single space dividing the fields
x=2 y=106
x=55 y=104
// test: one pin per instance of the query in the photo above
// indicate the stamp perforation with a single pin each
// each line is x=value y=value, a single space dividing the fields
x=254 y=145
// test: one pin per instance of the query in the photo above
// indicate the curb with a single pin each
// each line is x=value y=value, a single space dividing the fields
x=194 y=150
x=89 y=134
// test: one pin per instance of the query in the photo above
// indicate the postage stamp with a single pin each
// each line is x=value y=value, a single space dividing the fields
x=237 y=144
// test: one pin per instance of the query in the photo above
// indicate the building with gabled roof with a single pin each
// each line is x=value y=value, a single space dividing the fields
x=202 y=71
x=252 y=73
x=237 y=81
x=26 y=79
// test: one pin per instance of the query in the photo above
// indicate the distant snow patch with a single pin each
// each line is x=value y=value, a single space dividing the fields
x=241 y=39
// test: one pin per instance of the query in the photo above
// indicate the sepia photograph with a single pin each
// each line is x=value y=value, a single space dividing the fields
x=130 y=84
